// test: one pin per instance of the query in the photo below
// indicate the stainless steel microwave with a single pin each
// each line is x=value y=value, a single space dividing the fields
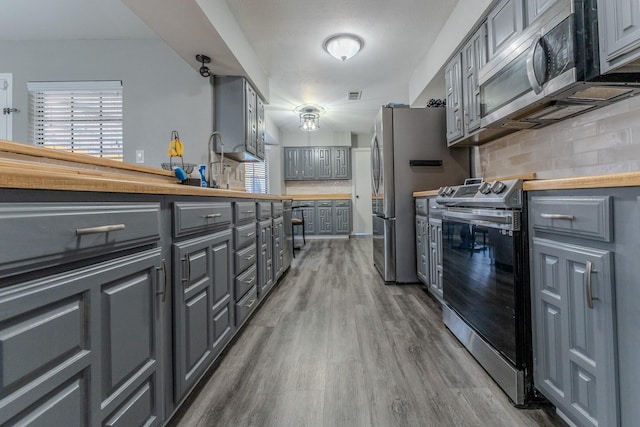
x=551 y=72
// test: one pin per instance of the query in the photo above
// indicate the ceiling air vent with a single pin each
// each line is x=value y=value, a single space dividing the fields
x=354 y=95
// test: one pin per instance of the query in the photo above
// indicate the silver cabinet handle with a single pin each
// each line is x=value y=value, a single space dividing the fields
x=186 y=261
x=558 y=216
x=213 y=215
x=249 y=258
x=247 y=212
x=588 y=289
x=250 y=303
x=98 y=230
x=250 y=234
x=163 y=292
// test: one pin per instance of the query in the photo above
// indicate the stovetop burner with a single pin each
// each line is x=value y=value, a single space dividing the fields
x=489 y=194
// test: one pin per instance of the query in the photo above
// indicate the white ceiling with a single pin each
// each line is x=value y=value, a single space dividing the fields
x=286 y=36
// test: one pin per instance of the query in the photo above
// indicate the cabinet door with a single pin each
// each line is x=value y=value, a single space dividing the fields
x=341 y=162
x=83 y=347
x=474 y=57
x=504 y=23
x=309 y=215
x=535 y=8
x=278 y=239
x=435 y=256
x=574 y=344
x=453 y=87
x=291 y=163
x=422 y=243
x=342 y=219
x=619 y=31
x=202 y=305
x=308 y=167
x=261 y=127
x=265 y=257
x=324 y=216
x=323 y=163
x=251 y=119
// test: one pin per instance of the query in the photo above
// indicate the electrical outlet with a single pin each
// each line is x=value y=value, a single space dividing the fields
x=139 y=156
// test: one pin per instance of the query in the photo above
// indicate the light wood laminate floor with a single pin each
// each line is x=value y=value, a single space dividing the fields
x=333 y=346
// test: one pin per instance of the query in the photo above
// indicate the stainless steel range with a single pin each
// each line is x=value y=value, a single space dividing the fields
x=486 y=286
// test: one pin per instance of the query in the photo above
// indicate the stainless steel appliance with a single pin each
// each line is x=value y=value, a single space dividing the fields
x=408 y=153
x=486 y=286
x=551 y=72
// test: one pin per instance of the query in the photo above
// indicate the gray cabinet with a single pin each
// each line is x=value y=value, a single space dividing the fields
x=317 y=163
x=237 y=116
x=245 y=259
x=278 y=248
x=261 y=128
x=535 y=8
x=82 y=347
x=453 y=90
x=203 y=306
x=342 y=213
x=292 y=163
x=504 y=23
x=422 y=248
x=574 y=340
x=435 y=257
x=463 y=89
x=265 y=257
x=324 y=217
x=619 y=33
x=306 y=210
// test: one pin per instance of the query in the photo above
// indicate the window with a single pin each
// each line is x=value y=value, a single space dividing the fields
x=255 y=177
x=79 y=117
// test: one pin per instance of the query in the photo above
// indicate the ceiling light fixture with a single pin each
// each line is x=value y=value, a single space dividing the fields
x=309 y=117
x=204 y=70
x=343 y=46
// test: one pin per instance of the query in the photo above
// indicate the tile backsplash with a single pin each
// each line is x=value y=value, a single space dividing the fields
x=600 y=142
x=318 y=187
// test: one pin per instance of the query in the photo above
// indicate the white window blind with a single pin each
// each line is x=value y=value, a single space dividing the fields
x=79 y=117
x=255 y=177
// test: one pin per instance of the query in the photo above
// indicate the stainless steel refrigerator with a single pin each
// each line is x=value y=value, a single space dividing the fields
x=408 y=153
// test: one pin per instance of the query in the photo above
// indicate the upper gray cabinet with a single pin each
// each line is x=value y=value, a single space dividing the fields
x=317 y=163
x=535 y=8
x=504 y=23
x=239 y=117
x=462 y=88
x=619 y=32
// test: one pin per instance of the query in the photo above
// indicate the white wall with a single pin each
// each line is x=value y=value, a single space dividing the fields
x=161 y=92
x=298 y=138
x=600 y=142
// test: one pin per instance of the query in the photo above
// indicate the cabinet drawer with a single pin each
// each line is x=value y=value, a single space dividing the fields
x=246 y=281
x=244 y=235
x=342 y=203
x=264 y=210
x=277 y=209
x=422 y=207
x=244 y=211
x=246 y=305
x=245 y=258
x=193 y=217
x=43 y=233
x=324 y=203
x=304 y=203
x=588 y=217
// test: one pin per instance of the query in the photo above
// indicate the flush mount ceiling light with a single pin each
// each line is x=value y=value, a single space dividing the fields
x=309 y=117
x=343 y=46
x=204 y=70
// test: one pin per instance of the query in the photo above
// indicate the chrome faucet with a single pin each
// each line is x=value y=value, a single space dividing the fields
x=211 y=154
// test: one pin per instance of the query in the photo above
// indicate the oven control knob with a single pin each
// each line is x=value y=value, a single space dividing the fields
x=485 y=188
x=498 y=187
x=442 y=191
x=448 y=191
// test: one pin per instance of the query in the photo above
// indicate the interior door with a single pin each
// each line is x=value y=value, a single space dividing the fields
x=6 y=128
x=362 y=202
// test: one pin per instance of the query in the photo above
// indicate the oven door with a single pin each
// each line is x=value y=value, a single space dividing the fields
x=481 y=273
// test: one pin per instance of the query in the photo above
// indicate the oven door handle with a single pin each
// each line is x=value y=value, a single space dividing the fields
x=504 y=220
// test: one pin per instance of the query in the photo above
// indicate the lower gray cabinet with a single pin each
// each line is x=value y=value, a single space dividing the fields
x=422 y=248
x=324 y=217
x=265 y=256
x=203 y=306
x=309 y=215
x=83 y=347
x=278 y=248
x=435 y=256
x=342 y=216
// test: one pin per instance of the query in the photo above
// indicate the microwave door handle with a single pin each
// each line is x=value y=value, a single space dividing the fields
x=531 y=73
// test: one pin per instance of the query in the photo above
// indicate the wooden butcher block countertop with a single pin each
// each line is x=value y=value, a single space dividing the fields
x=344 y=196
x=24 y=166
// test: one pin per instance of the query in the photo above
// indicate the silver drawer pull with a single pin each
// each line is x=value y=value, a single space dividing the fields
x=250 y=234
x=247 y=212
x=250 y=303
x=249 y=258
x=558 y=216
x=98 y=230
x=249 y=281
x=215 y=215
